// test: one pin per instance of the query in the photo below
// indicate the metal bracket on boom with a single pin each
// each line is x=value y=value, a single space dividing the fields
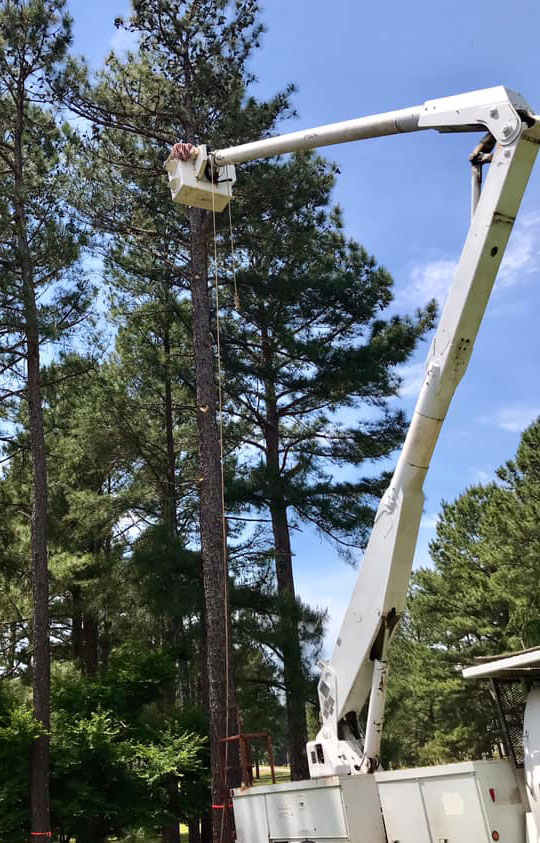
x=497 y=109
x=482 y=154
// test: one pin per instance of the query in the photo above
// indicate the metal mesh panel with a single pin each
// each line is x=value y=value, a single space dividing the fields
x=511 y=697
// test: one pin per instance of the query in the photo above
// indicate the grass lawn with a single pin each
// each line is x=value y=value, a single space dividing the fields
x=282 y=775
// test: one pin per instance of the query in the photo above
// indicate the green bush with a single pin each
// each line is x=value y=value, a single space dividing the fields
x=120 y=761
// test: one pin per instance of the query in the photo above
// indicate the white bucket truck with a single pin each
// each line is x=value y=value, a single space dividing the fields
x=347 y=800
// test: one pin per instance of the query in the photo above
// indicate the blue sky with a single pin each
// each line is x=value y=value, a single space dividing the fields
x=407 y=200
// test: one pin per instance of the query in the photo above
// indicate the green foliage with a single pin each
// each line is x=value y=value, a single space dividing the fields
x=114 y=751
x=18 y=729
x=34 y=37
x=111 y=760
x=175 y=588
x=93 y=791
x=106 y=781
x=311 y=344
x=480 y=598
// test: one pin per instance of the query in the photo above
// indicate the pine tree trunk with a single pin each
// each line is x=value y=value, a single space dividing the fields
x=203 y=696
x=293 y=672
x=170 y=497
x=39 y=790
x=105 y=645
x=12 y=647
x=91 y=644
x=40 y=583
x=215 y=578
x=171 y=831
x=207 y=831
x=194 y=831
x=77 y=637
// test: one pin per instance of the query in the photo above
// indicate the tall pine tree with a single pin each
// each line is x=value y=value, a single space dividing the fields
x=40 y=298
x=190 y=82
x=310 y=364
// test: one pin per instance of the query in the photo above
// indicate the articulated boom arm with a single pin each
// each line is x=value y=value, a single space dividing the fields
x=357 y=670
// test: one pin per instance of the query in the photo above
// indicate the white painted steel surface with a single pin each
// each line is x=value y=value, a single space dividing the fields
x=383 y=578
x=453 y=809
x=361 y=128
x=375 y=715
x=404 y=812
x=496 y=109
x=332 y=810
x=530 y=658
x=458 y=803
x=299 y=813
x=532 y=834
x=491 y=108
x=531 y=746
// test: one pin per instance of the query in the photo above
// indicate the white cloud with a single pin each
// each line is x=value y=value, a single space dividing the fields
x=429 y=521
x=412 y=375
x=480 y=475
x=429 y=280
x=522 y=256
x=432 y=279
x=513 y=418
x=516 y=417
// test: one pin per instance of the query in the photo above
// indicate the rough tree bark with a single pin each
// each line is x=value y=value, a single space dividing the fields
x=91 y=644
x=77 y=637
x=171 y=831
x=211 y=521
x=41 y=668
x=203 y=698
x=293 y=673
x=170 y=496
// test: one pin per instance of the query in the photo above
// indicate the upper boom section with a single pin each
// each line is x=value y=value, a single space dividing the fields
x=495 y=109
x=206 y=180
